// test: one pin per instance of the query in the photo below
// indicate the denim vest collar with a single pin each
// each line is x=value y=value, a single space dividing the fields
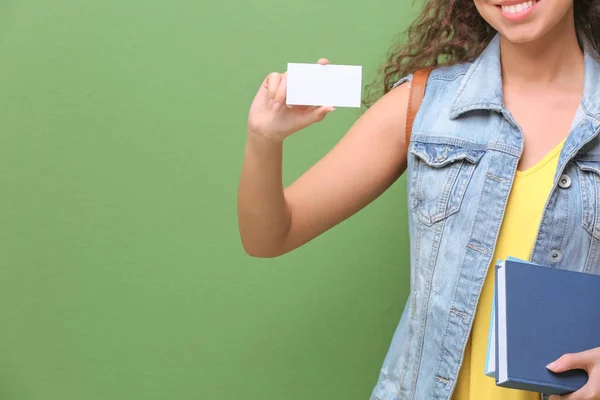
x=481 y=87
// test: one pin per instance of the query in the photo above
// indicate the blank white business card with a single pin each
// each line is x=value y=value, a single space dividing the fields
x=324 y=85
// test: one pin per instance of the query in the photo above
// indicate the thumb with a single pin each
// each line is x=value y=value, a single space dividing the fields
x=571 y=361
x=308 y=115
x=318 y=113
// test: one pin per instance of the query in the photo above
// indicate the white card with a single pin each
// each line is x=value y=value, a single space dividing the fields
x=324 y=85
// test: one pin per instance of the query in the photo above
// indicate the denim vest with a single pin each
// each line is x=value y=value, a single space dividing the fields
x=462 y=158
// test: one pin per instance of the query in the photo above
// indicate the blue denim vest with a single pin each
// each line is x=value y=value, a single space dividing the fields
x=464 y=151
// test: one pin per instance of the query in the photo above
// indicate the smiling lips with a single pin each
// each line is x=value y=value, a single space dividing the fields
x=518 y=11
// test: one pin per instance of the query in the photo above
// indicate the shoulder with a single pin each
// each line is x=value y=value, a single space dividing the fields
x=387 y=116
x=439 y=76
x=391 y=109
x=442 y=83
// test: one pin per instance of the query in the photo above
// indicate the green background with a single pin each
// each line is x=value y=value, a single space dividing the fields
x=122 y=127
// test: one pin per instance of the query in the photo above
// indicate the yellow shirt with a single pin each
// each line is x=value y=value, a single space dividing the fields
x=517 y=237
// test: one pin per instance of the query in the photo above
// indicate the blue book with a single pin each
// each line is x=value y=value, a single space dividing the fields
x=542 y=313
x=490 y=360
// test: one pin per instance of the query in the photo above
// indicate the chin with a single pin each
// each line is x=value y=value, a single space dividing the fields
x=521 y=21
x=522 y=35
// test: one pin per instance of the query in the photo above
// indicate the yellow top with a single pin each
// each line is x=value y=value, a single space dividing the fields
x=517 y=237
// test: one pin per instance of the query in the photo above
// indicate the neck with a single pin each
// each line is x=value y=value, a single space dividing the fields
x=555 y=58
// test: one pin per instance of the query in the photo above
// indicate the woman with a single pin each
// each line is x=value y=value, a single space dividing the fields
x=503 y=159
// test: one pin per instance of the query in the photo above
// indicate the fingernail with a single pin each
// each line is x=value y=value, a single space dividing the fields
x=552 y=365
x=277 y=106
x=289 y=106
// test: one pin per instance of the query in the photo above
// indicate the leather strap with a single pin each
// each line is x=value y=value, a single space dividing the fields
x=416 y=92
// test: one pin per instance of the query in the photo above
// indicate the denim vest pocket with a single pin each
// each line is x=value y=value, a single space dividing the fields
x=589 y=182
x=440 y=176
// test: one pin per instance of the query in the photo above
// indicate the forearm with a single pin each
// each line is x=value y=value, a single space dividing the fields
x=263 y=214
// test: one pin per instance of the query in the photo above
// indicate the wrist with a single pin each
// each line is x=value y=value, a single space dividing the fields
x=262 y=140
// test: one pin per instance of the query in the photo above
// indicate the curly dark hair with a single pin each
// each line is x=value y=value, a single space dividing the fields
x=448 y=32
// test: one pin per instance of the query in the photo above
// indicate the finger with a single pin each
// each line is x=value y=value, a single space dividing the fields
x=280 y=94
x=272 y=84
x=571 y=361
x=319 y=113
x=311 y=115
x=591 y=390
x=300 y=108
x=585 y=393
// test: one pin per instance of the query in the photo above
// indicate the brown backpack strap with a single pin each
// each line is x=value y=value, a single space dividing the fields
x=415 y=97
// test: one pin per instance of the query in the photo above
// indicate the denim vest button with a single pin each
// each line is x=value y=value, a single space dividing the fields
x=555 y=256
x=564 y=181
x=440 y=158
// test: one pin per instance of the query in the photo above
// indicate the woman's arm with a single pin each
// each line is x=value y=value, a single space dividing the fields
x=366 y=161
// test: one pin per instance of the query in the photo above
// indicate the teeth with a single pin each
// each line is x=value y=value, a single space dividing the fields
x=519 y=8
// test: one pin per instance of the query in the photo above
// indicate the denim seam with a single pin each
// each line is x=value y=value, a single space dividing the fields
x=592 y=256
x=412 y=321
x=596 y=196
x=425 y=138
x=466 y=173
x=587 y=219
x=562 y=236
x=443 y=211
x=587 y=110
x=447 y=78
x=427 y=298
